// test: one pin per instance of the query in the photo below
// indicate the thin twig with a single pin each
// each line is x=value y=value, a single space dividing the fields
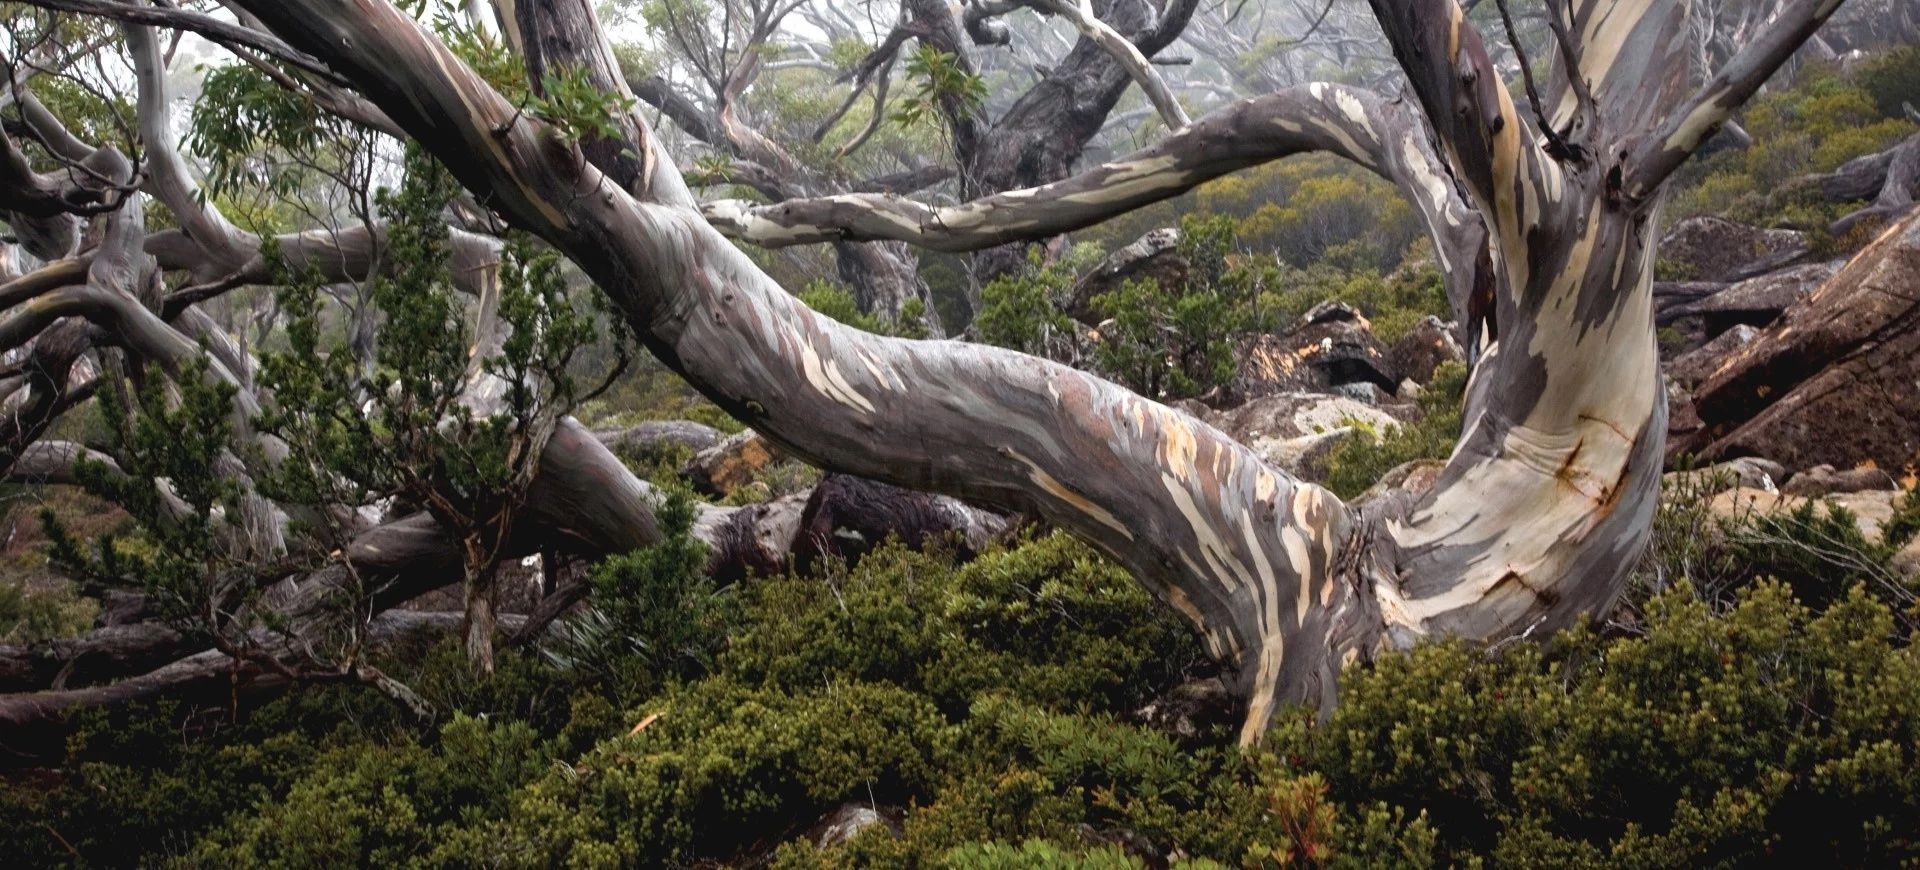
x=1557 y=146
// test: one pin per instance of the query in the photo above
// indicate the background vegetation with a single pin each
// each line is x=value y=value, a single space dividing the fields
x=1755 y=699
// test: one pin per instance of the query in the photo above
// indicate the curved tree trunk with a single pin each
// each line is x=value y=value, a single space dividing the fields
x=1531 y=527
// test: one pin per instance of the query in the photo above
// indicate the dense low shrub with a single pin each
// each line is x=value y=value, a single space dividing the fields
x=988 y=709
x=1169 y=339
x=1355 y=464
x=1823 y=120
x=1892 y=79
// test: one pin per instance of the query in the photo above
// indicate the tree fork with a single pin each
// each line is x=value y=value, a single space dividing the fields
x=1532 y=526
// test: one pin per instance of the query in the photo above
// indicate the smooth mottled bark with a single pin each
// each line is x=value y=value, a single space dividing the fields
x=1532 y=525
x=1385 y=136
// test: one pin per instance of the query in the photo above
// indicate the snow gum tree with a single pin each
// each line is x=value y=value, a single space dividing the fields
x=1541 y=205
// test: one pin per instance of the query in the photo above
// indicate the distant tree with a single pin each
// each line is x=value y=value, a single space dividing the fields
x=1531 y=527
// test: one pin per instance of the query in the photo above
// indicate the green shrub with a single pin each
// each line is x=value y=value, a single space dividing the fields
x=1358 y=462
x=1904 y=525
x=837 y=302
x=1892 y=80
x=1036 y=854
x=30 y=614
x=1773 y=732
x=369 y=804
x=1177 y=342
x=1048 y=620
x=654 y=615
x=1021 y=311
x=1393 y=304
x=988 y=708
x=1816 y=549
x=757 y=758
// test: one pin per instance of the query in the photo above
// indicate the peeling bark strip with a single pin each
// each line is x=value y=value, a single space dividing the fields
x=1531 y=526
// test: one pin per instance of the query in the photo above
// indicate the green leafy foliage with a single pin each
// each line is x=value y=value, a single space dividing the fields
x=576 y=107
x=389 y=420
x=356 y=814
x=1177 y=342
x=989 y=706
x=654 y=615
x=1021 y=310
x=1172 y=340
x=1892 y=79
x=1904 y=525
x=837 y=302
x=942 y=84
x=245 y=122
x=93 y=114
x=1816 y=549
x=169 y=473
x=1357 y=463
x=1047 y=620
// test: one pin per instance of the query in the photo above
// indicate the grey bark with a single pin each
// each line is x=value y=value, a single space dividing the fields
x=1530 y=527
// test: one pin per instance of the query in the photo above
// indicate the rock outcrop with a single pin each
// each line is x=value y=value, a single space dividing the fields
x=1295 y=431
x=1426 y=347
x=1332 y=346
x=1835 y=380
x=1749 y=472
x=1153 y=257
x=1716 y=249
x=730 y=464
x=1757 y=301
x=1694 y=366
x=1826 y=480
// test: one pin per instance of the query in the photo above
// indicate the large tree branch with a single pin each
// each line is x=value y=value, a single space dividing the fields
x=1687 y=126
x=1899 y=177
x=1470 y=109
x=272 y=662
x=1124 y=53
x=1236 y=546
x=168 y=178
x=186 y=19
x=352 y=253
x=1386 y=137
x=676 y=106
x=44 y=208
